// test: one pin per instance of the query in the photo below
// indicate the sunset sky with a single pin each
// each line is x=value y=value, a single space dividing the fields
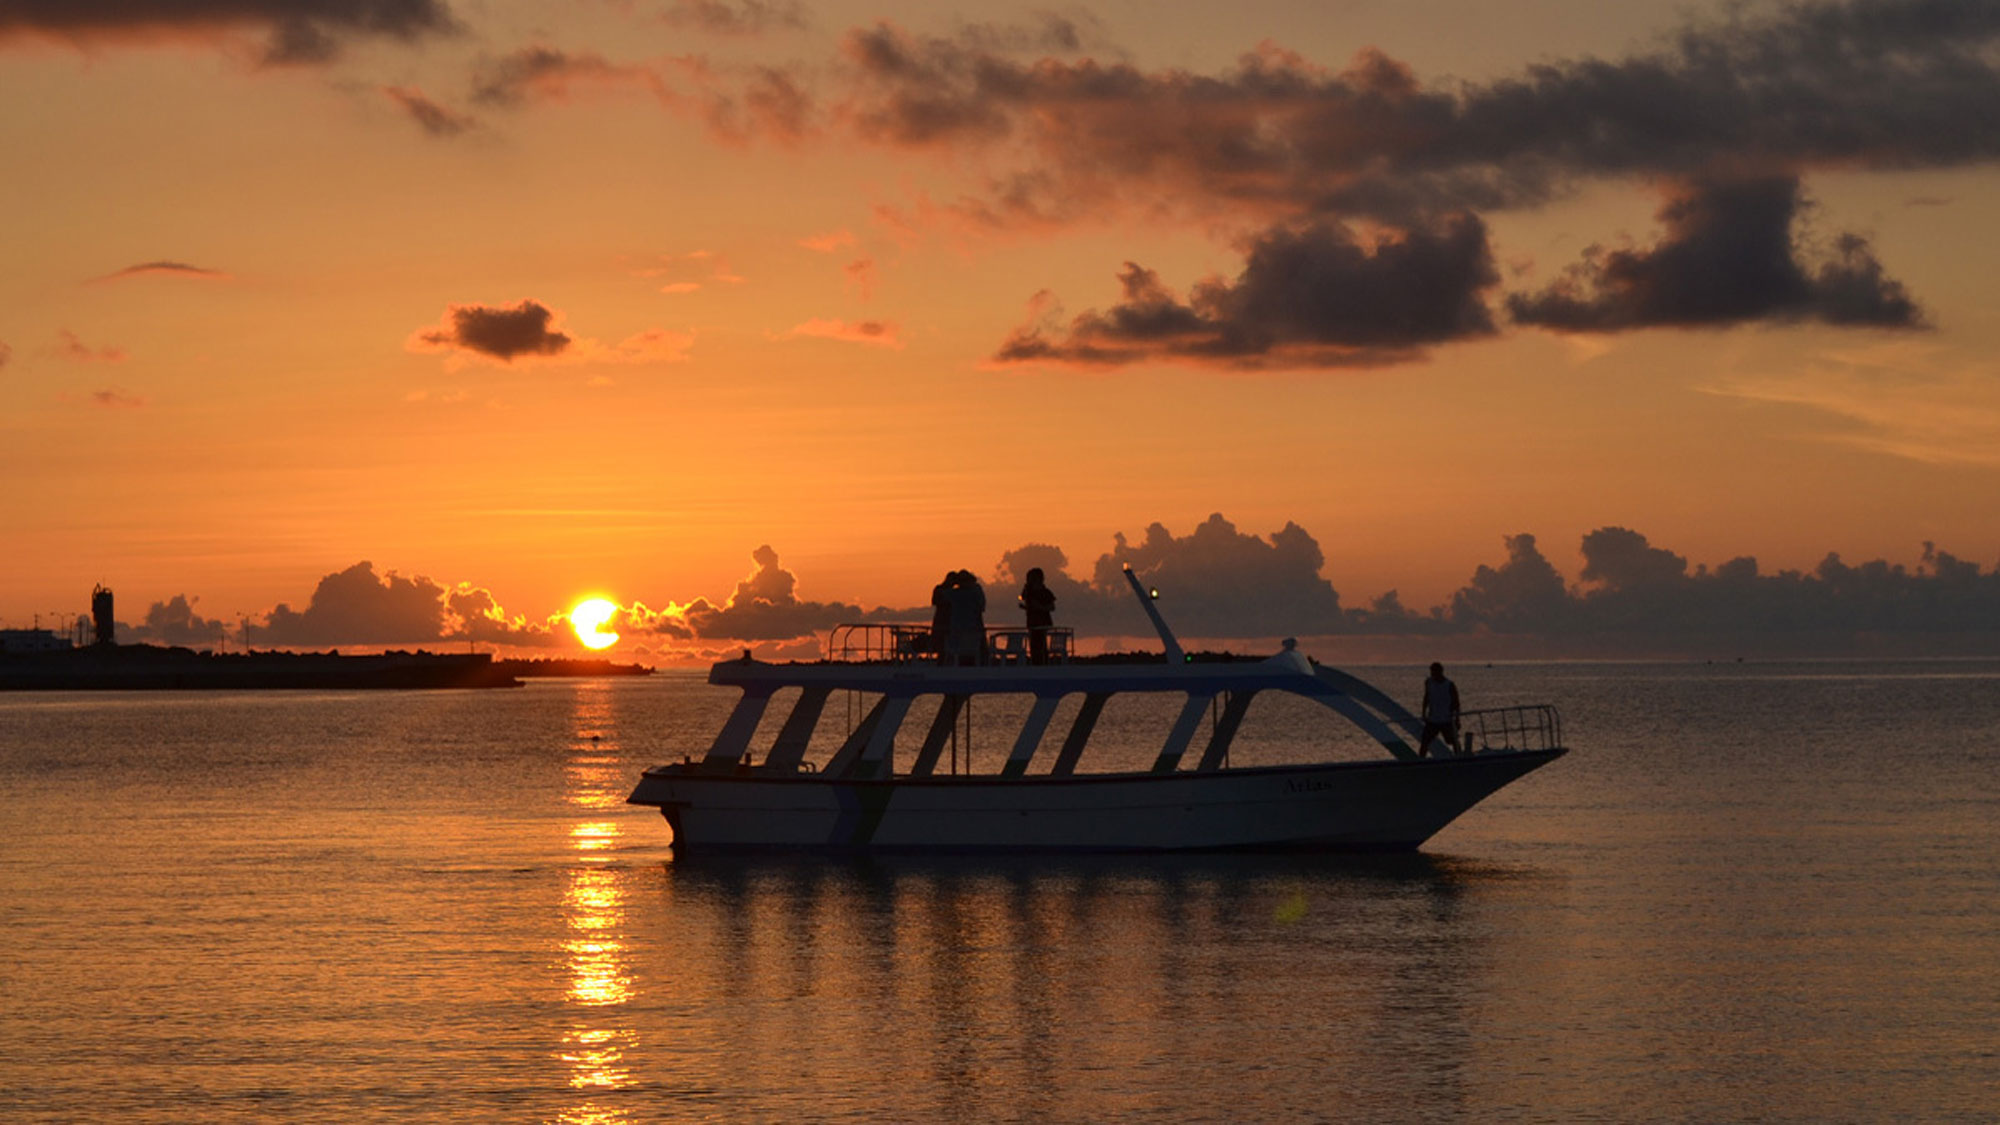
x=603 y=297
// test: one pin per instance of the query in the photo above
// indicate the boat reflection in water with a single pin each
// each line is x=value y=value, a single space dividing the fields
x=598 y=1037
x=1064 y=988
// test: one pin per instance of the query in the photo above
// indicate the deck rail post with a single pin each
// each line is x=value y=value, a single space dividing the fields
x=1079 y=733
x=733 y=740
x=1183 y=732
x=1030 y=738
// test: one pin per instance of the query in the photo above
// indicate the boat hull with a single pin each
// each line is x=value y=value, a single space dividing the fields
x=1359 y=806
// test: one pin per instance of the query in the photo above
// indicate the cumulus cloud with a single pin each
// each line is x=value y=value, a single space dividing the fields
x=164 y=268
x=1215 y=581
x=473 y=613
x=500 y=333
x=766 y=607
x=1316 y=296
x=431 y=117
x=174 y=622
x=355 y=606
x=878 y=333
x=743 y=18
x=295 y=31
x=527 y=331
x=1729 y=254
x=1525 y=594
x=1621 y=559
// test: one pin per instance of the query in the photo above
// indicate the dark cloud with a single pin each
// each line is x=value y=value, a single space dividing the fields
x=734 y=104
x=1525 y=594
x=1222 y=585
x=1315 y=296
x=174 y=622
x=473 y=613
x=502 y=333
x=113 y=399
x=766 y=607
x=1884 y=84
x=1214 y=581
x=6 y=353
x=433 y=118
x=1643 y=598
x=1872 y=84
x=1635 y=597
x=742 y=18
x=165 y=268
x=549 y=72
x=297 y=31
x=1730 y=254
x=1621 y=559
x=356 y=607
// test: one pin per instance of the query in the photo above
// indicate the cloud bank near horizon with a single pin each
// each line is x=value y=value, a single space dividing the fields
x=1219 y=584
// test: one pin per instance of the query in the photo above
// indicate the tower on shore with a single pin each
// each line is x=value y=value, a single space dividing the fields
x=101 y=615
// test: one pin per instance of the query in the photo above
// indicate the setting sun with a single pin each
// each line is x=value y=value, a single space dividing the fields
x=589 y=618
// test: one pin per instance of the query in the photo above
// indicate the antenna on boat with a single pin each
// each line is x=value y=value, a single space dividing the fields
x=1147 y=596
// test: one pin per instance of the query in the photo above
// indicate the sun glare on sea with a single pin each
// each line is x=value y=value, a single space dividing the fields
x=588 y=618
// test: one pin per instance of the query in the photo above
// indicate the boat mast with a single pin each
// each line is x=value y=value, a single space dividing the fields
x=1147 y=596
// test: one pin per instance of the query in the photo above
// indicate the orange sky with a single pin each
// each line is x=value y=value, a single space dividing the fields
x=221 y=268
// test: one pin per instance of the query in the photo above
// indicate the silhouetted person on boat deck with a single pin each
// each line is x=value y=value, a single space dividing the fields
x=967 y=626
x=1440 y=712
x=941 y=617
x=1040 y=603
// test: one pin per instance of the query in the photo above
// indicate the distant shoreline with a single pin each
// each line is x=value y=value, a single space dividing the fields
x=155 y=668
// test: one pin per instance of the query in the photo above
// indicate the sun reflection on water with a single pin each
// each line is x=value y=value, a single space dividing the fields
x=594 y=1047
x=595 y=772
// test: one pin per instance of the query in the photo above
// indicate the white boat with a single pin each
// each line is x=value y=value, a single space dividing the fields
x=731 y=799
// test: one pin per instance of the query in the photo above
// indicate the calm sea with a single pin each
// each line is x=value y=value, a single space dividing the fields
x=1752 y=892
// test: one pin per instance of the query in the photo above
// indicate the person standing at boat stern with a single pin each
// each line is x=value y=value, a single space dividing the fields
x=967 y=600
x=1040 y=603
x=1440 y=711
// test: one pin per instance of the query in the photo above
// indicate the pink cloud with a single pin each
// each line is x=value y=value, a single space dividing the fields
x=829 y=242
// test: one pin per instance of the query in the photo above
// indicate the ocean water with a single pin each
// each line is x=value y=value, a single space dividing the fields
x=1752 y=892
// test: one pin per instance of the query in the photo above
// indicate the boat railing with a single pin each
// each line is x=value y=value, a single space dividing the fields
x=1533 y=726
x=885 y=642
